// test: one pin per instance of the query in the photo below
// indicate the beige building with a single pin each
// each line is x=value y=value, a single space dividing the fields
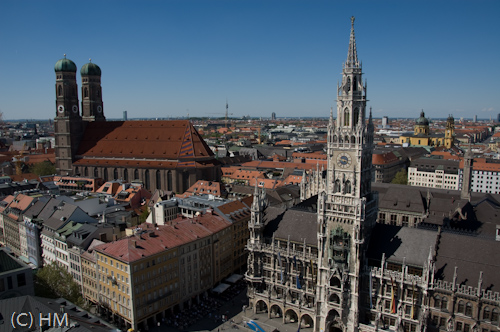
x=160 y=268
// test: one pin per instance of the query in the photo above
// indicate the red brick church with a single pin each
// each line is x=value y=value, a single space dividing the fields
x=167 y=155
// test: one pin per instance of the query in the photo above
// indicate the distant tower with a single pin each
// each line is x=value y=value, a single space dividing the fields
x=475 y=118
x=227 y=111
x=498 y=117
x=273 y=116
x=68 y=122
x=466 y=180
x=92 y=107
x=385 y=122
x=124 y=115
x=422 y=125
x=450 y=132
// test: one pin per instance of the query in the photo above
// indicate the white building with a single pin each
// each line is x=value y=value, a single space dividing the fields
x=434 y=173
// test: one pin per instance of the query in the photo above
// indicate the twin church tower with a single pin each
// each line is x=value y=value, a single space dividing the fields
x=69 y=123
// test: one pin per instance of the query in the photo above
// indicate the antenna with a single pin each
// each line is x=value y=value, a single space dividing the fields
x=227 y=107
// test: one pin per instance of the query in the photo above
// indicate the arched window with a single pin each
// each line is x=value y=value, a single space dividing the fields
x=335 y=282
x=348 y=84
x=59 y=90
x=444 y=303
x=346 y=117
x=169 y=180
x=494 y=316
x=346 y=139
x=334 y=138
x=125 y=174
x=86 y=171
x=468 y=309
x=347 y=187
x=355 y=116
x=354 y=84
x=115 y=174
x=336 y=188
x=105 y=174
x=185 y=180
x=146 y=178
x=85 y=92
x=353 y=139
x=136 y=174
x=76 y=171
x=96 y=172
x=486 y=313
x=158 y=179
x=461 y=307
x=334 y=298
x=437 y=302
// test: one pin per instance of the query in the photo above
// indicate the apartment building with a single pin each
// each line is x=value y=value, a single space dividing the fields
x=141 y=278
x=434 y=173
x=485 y=176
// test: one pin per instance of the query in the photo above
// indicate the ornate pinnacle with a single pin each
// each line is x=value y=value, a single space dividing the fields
x=352 y=55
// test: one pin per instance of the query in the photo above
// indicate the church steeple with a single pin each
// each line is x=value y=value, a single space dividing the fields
x=351 y=94
x=352 y=54
x=347 y=209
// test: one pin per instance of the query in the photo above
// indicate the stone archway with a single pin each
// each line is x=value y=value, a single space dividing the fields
x=290 y=316
x=333 y=322
x=276 y=311
x=306 y=322
x=261 y=307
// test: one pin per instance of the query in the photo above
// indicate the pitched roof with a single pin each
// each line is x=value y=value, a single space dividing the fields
x=401 y=244
x=296 y=225
x=164 y=142
x=150 y=240
x=471 y=255
x=384 y=158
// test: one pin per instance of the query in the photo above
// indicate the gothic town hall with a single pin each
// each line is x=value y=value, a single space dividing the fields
x=328 y=264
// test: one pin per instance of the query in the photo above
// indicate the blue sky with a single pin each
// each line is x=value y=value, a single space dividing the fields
x=168 y=58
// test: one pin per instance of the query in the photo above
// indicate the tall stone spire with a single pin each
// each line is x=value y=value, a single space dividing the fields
x=352 y=54
x=467 y=173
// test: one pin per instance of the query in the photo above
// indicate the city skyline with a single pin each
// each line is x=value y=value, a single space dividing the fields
x=171 y=58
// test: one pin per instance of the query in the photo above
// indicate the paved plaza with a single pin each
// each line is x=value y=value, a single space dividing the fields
x=238 y=314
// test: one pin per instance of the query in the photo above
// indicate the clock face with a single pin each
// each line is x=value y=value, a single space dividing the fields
x=99 y=109
x=75 y=108
x=60 y=108
x=344 y=160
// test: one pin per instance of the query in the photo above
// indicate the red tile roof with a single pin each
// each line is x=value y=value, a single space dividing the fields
x=383 y=158
x=143 y=144
x=152 y=240
x=273 y=164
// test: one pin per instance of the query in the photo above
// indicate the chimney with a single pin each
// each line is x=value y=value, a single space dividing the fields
x=115 y=237
x=134 y=243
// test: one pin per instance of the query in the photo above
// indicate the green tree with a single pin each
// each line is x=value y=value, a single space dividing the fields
x=43 y=168
x=401 y=177
x=54 y=281
x=143 y=216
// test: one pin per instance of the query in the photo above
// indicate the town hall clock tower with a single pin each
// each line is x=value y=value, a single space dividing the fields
x=346 y=208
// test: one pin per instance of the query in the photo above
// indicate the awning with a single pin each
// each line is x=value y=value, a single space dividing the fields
x=221 y=288
x=235 y=277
